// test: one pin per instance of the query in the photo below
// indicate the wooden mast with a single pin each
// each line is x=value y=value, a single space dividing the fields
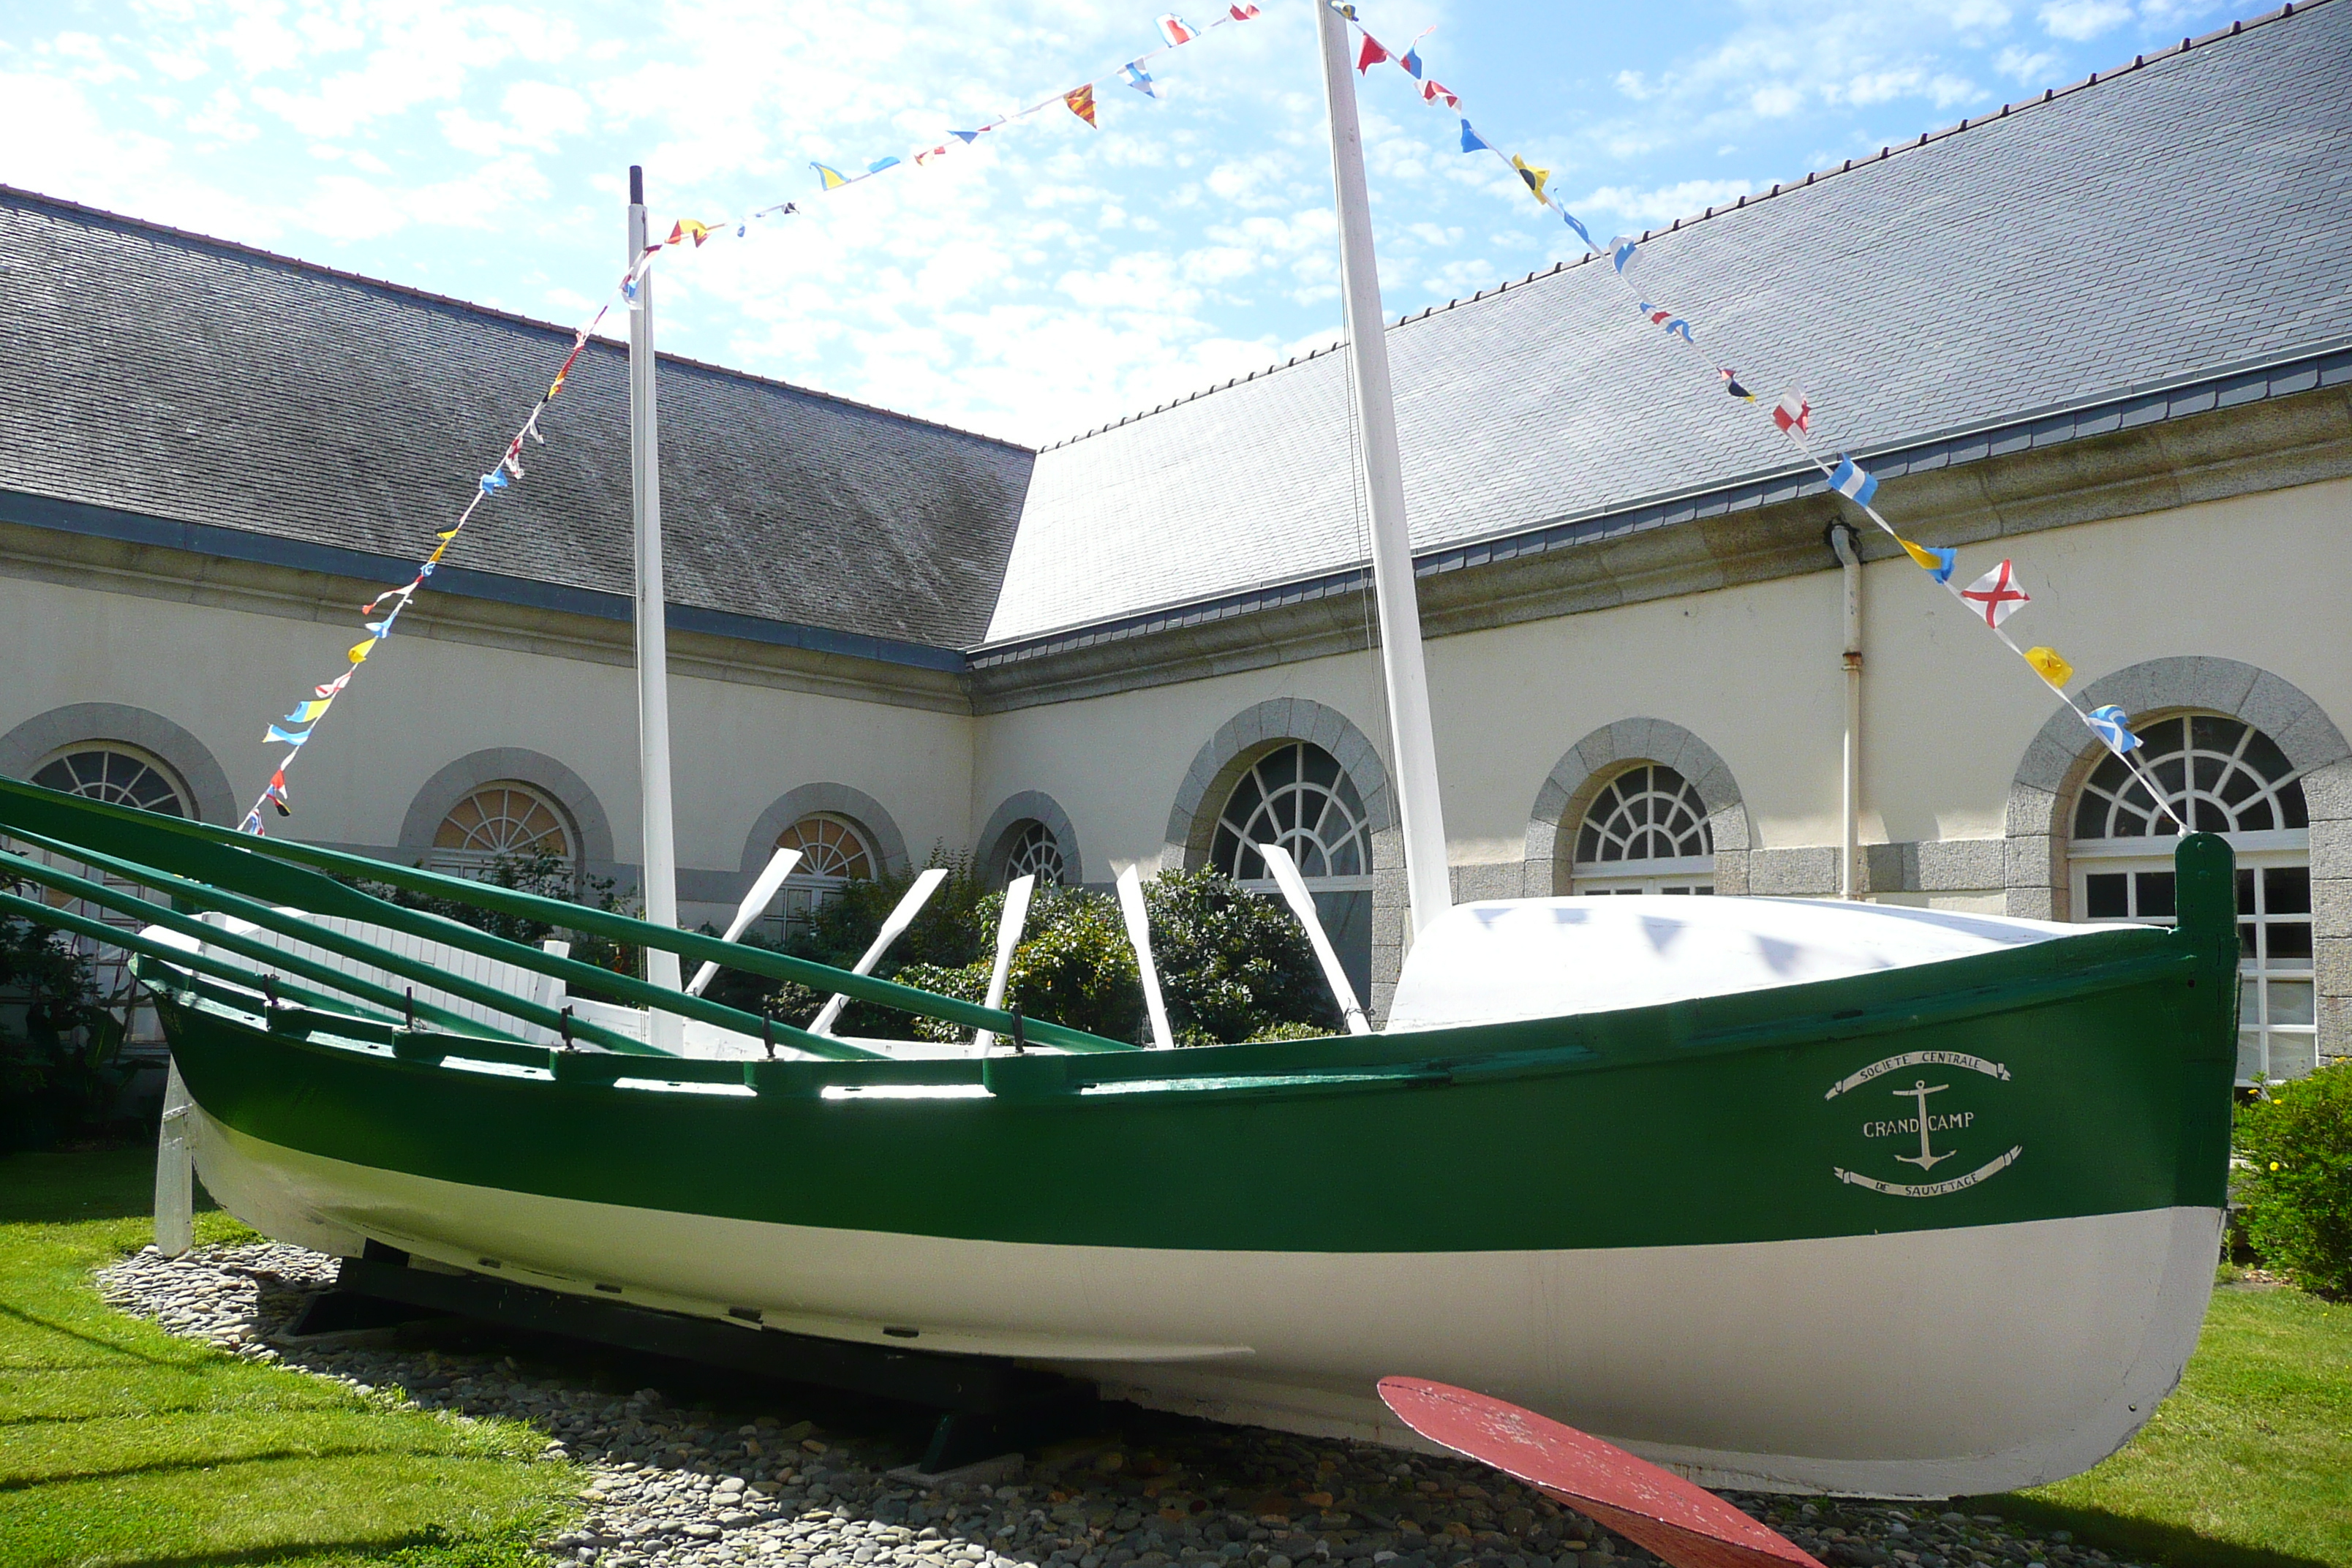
x=1405 y=675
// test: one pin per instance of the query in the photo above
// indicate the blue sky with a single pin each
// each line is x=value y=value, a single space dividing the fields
x=1031 y=286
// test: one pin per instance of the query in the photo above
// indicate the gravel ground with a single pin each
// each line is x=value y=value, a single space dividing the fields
x=714 y=1473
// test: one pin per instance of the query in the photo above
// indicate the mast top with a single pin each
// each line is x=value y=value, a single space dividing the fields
x=636 y=184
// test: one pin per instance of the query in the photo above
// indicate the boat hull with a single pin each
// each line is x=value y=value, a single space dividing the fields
x=1710 y=1231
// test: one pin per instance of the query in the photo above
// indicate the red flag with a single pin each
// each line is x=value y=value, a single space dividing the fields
x=1082 y=103
x=1372 y=54
x=1793 y=413
x=1242 y=13
x=1430 y=91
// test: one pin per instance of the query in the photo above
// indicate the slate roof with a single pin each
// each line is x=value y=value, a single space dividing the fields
x=176 y=377
x=2187 y=214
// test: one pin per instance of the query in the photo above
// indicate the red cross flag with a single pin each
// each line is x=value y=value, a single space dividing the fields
x=1997 y=594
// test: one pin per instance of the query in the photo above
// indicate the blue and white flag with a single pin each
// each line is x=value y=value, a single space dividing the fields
x=1412 y=62
x=2110 y=724
x=494 y=481
x=1850 y=481
x=1581 y=232
x=1624 y=253
x=292 y=737
x=1136 y=77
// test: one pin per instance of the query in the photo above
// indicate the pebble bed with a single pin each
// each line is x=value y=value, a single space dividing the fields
x=673 y=1486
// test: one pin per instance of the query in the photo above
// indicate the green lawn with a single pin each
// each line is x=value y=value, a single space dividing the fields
x=121 y=1445
x=2249 y=1465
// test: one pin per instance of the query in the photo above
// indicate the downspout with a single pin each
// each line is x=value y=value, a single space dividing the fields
x=1844 y=539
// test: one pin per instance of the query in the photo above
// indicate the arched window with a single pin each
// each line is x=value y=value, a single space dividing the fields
x=1645 y=832
x=1036 y=852
x=2227 y=777
x=121 y=776
x=116 y=775
x=834 y=852
x=508 y=819
x=1299 y=796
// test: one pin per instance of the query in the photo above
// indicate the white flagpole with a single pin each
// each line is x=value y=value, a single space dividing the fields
x=660 y=876
x=1427 y=888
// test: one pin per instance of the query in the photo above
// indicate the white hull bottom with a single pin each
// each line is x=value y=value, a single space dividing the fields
x=1928 y=1363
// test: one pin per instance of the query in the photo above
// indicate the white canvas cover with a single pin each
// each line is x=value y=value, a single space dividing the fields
x=1547 y=957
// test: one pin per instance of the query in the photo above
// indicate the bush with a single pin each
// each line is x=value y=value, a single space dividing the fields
x=2296 y=1137
x=60 y=1046
x=1233 y=966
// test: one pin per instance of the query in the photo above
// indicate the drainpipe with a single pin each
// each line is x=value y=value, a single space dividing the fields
x=1844 y=539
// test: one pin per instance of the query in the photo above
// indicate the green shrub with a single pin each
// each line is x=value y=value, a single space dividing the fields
x=1233 y=966
x=60 y=1073
x=2296 y=1139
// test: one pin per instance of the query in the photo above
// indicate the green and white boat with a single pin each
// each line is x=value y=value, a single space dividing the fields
x=1792 y=1195
x=1714 y=1229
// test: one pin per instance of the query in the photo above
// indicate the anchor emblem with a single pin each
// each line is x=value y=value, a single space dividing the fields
x=1926 y=1159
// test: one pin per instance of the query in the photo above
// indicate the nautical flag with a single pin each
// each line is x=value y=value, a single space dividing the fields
x=939 y=151
x=1998 y=592
x=292 y=737
x=1624 y=252
x=275 y=794
x=1241 y=13
x=2109 y=723
x=1370 y=55
x=1581 y=232
x=1430 y=91
x=967 y=137
x=1176 y=30
x=1793 y=413
x=1534 y=177
x=513 y=461
x=1731 y=384
x=493 y=481
x=359 y=652
x=1937 y=563
x=1081 y=100
x=306 y=711
x=1857 y=482
x=685 y=226
x=1412 y=62
x=1668 y=320
x=1472 y=142
x=1140 y=79
x=334 y=686
x=834 y=178
x=876 y=167
x=2050 y=667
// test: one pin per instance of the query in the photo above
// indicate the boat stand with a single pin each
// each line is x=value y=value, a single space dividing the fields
x=988 y=1406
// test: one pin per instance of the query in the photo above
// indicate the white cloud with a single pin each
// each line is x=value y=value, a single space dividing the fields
x=2028 y=68
x=2081 y=19
x=1652 y=207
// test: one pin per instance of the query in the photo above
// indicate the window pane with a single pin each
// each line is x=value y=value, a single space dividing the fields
x=2154 y=890
x=2291 y=1002
x=1322 y=767
x=2265 y=757
x=2286 y=889
x=2292 y=807
x=2256 y=816
x=2293 y=1056
x=2245 y=891
x=2108 y=896
x=2211 y=732
x=2246 y=940
x=2289 y=942
x=2249 y=1053
x=2249 y=1001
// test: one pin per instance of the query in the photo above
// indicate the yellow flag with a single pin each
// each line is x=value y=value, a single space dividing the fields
x=1926 y=558
x=2050 y=667
x=360 y=650
x=1534 y=177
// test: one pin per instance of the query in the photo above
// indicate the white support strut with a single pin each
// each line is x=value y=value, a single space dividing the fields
x=892 y=929
x=175 y=1198
x=1008 y=937
x=755 y=903
x=1139 y=931
x=1302 y=904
